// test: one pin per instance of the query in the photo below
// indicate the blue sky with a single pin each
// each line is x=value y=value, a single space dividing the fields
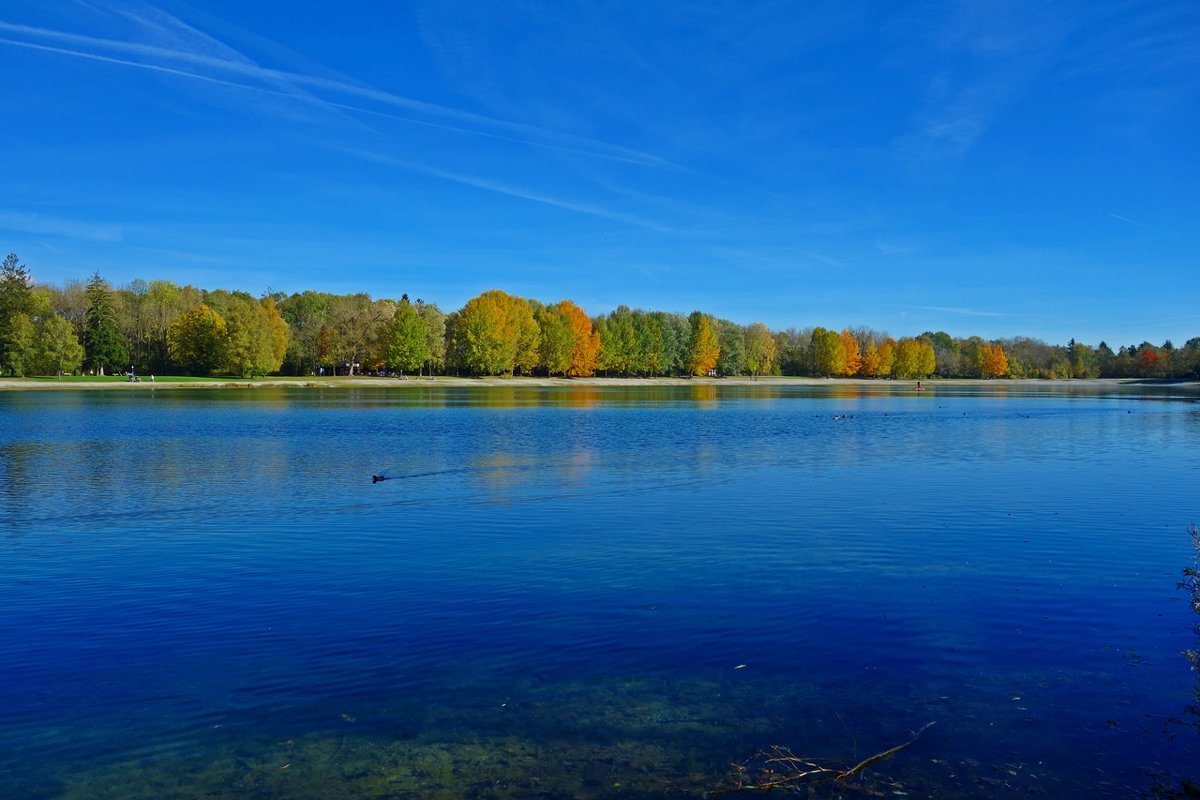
x=992 y=168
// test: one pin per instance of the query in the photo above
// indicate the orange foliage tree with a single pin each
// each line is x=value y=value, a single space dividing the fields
x=585 y=348
x=705 y=346
x=851 y=353
x=993 y=361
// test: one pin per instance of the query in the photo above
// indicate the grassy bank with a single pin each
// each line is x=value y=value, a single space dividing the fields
x=178 y=381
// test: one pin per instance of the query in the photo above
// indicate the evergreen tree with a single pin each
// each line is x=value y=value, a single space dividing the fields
x=16 y=292
x=103 y=344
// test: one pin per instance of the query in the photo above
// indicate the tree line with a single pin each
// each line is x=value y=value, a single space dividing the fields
x=161 y=327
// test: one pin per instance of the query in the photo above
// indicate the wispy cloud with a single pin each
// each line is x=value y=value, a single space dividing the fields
x=983 y=57
x=57 y=226
x=1124 y=219
x=498 y=187
x=169 y=60
x=962 y=312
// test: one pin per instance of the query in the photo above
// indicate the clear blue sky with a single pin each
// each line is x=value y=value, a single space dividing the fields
x=993 y=168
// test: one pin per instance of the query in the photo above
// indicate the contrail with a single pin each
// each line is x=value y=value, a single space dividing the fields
x=248 y=69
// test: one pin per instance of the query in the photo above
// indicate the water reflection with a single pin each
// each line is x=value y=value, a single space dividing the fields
x=561 y=584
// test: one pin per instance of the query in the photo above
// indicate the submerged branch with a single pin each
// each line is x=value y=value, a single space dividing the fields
x=782 y=769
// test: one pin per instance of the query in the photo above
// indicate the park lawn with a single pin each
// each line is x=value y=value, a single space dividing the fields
x=141 y=379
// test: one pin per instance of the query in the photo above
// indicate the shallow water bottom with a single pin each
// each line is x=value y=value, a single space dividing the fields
x=607 y=737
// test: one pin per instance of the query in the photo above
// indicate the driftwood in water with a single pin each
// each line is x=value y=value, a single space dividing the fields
x=782 y=769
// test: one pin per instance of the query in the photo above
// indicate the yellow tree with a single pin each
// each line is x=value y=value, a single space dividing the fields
x=525 y=332
x=280 y=332
x=489 y=346
x=705 y=346
x=851 y=353
x=926 y=357
x=585 y=349
x=496 y=333
x=197 y=340
x=761 y=350
x=914 y=359
x=826 y=353
x=887 y=356
x=869 y=366
x=994 y=363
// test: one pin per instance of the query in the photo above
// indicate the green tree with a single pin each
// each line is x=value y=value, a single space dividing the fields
x=16 y=325
x=57 y=350
x=103 y=343
x=252 y=339
x=732 y=339
x=557 y=340
x=359 y=322
x=197 y=340
x=434 y=323
x=17 y=340
x=619 y=342
x=305 y=314
x=16 y=288
x=407 y=345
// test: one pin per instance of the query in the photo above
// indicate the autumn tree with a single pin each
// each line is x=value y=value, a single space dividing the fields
x=277 y=330
x=760 y=350
x=103 y=343
x=827 y=354
x=495 y=333
x=851 y=353
x=197 y=339
x=870 y=360
x=993 y=362
x=914 y=359
x=704 y=346
x=585 y=342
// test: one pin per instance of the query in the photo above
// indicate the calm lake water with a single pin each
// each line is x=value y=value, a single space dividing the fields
x=594 y=592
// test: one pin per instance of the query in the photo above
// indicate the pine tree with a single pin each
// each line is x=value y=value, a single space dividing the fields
x=103 y=344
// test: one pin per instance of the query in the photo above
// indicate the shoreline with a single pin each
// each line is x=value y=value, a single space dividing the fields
x=358 y=382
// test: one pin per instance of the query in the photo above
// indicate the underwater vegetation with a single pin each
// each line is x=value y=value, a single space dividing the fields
x=587 y=739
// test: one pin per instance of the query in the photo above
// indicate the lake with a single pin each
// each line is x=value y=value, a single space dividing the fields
x=595 y=592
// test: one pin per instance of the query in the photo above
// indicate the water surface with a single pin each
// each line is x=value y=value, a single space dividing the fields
x=593 y=592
